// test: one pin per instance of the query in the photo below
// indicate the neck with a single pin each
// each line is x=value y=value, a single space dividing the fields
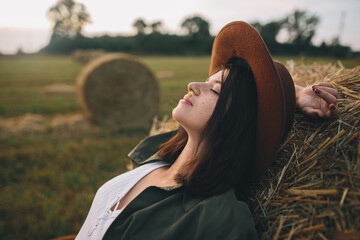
x=186 y=154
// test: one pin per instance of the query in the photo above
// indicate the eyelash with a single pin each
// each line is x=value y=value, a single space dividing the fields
x=214 y=91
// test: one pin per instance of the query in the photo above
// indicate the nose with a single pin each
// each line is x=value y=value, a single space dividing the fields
x=195 y=87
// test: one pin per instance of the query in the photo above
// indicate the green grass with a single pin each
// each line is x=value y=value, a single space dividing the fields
x=47 y=182
x=22 y=80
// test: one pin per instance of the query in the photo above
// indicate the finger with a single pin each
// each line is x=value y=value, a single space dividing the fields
x=331 y=112
x=334 y=111
x=326 y=113
x=332 y=91
x=312 y=112
x=326 y=84
x=328 y=98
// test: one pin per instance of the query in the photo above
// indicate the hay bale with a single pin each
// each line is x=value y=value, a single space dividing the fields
x=117 y=90
x=312 y=190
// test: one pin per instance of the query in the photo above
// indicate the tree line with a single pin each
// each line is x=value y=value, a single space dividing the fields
x=68 y=18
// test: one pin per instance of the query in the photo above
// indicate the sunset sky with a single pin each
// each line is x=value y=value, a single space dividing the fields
x=23 y=23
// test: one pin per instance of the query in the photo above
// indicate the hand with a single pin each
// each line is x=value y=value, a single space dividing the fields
x=318 y=101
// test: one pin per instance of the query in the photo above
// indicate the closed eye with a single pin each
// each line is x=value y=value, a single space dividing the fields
x=214 y=91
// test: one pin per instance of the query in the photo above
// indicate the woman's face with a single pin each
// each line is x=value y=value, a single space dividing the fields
x=196 y=108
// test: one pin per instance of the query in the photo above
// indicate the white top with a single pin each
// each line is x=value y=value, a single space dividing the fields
x=100 y=216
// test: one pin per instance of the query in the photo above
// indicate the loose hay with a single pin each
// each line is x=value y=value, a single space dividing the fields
x=166 y=125
x=312 y=190
x=59 y=89
x=24 y=125
x=165 y=74
x=30 y=124
x=86 y=56
x=70 y=123
x=117 y=90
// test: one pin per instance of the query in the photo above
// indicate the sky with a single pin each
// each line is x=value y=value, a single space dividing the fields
x=23 y=23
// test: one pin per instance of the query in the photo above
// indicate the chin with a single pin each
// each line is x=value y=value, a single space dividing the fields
x=180 y=116
x=184 y=121
x=177 y=115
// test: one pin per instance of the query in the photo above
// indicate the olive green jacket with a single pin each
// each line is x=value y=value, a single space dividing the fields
x=175 y=213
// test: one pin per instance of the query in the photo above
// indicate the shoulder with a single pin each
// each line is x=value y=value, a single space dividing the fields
x=228 y=202
x=229 y=216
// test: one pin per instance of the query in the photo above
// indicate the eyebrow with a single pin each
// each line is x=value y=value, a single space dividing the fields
x=216 y=81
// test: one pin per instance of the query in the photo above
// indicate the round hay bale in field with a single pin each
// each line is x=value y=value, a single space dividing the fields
x=118 y=91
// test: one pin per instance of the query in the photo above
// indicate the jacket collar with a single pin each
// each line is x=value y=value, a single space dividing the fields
x=146 y=150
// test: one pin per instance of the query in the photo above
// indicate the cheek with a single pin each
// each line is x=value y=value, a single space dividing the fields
x=204 y=112
x=207 y=108
x=195 y=118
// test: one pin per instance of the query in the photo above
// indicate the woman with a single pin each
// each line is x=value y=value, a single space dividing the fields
x=189 y=182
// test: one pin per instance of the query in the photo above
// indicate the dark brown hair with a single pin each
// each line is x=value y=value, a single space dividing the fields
x=227 y=154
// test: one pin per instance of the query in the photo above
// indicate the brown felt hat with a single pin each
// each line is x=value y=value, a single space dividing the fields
x=275 y=87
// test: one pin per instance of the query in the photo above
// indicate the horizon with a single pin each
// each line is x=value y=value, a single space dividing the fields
x=29 y=29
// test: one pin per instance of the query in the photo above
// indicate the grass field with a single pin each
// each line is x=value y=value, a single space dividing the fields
x=47 y=181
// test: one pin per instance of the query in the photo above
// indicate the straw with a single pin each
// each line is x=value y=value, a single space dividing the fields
x=319 y=193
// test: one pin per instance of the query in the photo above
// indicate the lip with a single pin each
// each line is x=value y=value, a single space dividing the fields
x=186 y=100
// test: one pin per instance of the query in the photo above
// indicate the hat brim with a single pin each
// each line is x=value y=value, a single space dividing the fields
x=275 y=87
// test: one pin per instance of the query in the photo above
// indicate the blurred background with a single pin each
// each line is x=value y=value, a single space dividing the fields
x=47 y=26
x=52 y=160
